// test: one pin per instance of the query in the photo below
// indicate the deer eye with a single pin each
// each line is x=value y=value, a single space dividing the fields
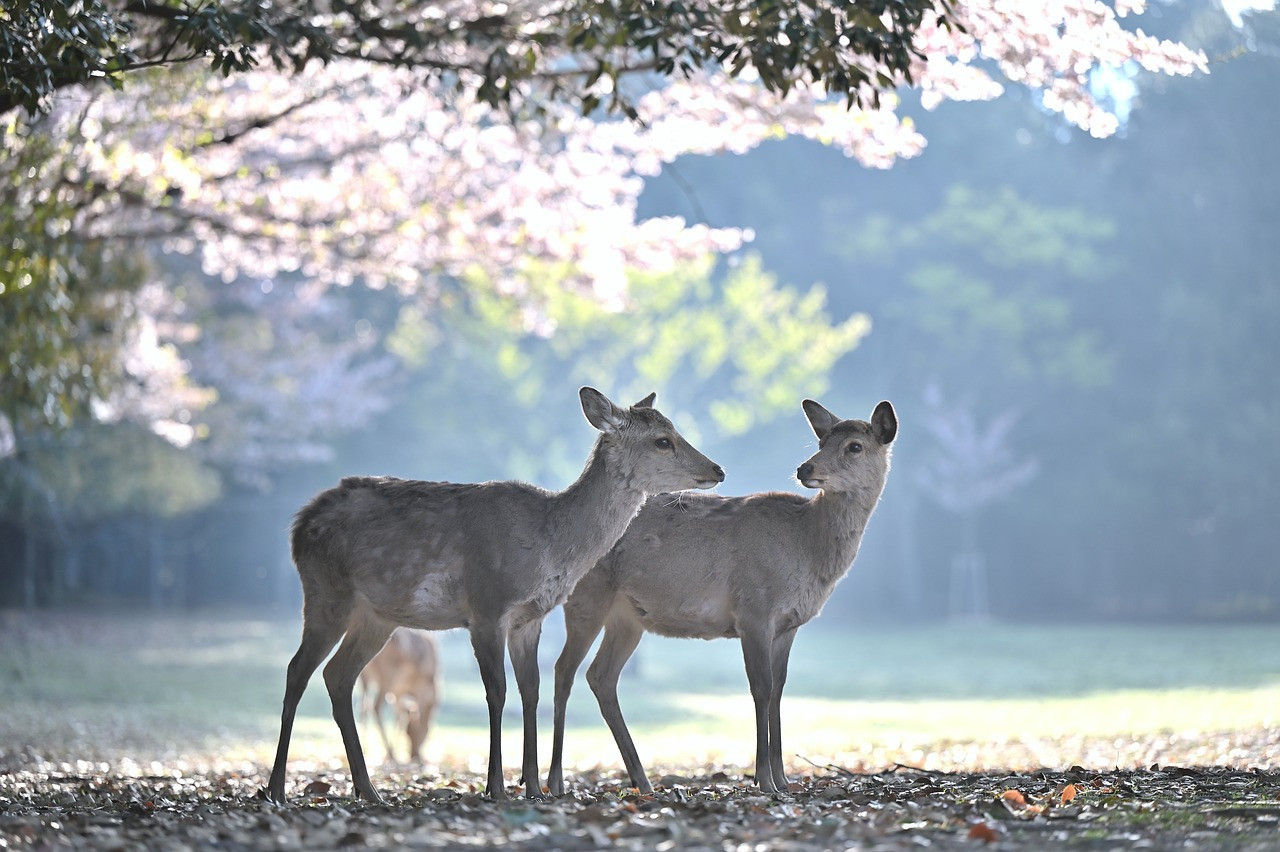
x=855 y=447
x=663 y=443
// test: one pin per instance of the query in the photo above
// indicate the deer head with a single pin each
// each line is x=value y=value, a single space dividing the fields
x=853 y=455
x=645 y=448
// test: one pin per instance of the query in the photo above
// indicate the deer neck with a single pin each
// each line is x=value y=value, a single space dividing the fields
x=587 y=518
x=837 y=521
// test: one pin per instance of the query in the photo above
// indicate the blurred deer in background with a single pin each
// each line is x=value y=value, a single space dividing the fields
x=406 y=675
x=707 y=566
x=375 y=553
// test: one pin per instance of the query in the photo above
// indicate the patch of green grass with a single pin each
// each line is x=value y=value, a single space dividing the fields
x=160 y=685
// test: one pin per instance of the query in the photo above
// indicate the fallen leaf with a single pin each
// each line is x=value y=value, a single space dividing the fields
x=316 y=788
x=1015 y=797
x=982 y=831
x=1068 y=793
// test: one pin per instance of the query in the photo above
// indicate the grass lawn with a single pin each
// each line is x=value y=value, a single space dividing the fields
x=208 y=686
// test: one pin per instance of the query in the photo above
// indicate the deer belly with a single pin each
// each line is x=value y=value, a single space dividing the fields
x=435 y=603
x=690 y=620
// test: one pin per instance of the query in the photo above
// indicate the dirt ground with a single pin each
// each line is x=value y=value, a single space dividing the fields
x=186 y=804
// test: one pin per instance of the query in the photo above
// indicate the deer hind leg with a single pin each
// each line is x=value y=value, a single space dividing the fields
x=621 y=636
x=322 y=627
x=583 y=621
x=757 y=653
x=781 y=656
x=366 y=635
x=522 y=643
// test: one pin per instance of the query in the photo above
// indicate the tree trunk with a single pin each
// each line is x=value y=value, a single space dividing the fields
x=155 y=563
x=29 y=556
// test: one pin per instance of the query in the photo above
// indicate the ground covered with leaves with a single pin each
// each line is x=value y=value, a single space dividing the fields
x=183 y=804
x=135 y=731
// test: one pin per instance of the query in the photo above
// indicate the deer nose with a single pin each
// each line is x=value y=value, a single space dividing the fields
x=719 y=471
x=805 y=471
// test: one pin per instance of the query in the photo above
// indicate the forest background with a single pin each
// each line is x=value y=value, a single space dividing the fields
x=1078 y=334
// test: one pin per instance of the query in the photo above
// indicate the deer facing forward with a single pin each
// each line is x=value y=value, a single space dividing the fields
x=377 y=552
x=707 y=566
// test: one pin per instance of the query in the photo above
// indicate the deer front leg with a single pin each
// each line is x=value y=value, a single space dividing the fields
x=486 y=642
x=757 y=654
x=781 y=656
x=364 y=639
x=522 y=642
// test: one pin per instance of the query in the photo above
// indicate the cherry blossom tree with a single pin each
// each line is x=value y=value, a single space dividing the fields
x=292 y=374
x=369 y=169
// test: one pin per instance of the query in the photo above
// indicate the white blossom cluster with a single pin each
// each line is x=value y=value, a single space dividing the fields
x=357 y=172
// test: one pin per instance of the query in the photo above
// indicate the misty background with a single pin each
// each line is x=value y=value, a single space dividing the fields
x=1079 y=336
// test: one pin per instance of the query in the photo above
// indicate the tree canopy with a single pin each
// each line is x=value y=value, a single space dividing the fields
x=499 y=52
x=417 y=145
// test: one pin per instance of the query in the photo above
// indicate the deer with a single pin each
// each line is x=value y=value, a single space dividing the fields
x=406 y=675
x=755 y=568
x=374 y=553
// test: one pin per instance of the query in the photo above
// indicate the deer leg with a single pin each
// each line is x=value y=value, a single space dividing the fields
x=416 y=729
x=365 y=637
x=522 y=643
x=582 y=624
x=320 y=632
x=376 y=703
x=757 y=654
x=427 y=700
x=781 y=656
x=486 y=642
x=621 y=636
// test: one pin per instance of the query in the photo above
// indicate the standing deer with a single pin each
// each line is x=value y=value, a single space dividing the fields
x=494 y=557
x=708 y=566
x=406 y=675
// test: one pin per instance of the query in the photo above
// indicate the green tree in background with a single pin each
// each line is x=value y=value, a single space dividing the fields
x=725 y=351
x=992 y=280
x=64 y=485
x=976 y=303
x=58 y=341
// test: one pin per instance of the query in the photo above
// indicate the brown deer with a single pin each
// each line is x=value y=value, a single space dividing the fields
x=375 y=553
x=406 y=675
x=708 y=566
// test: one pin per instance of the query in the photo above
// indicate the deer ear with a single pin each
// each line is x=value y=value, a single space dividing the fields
x=601 y=413
x=884 y=423
x=820 y=419
x=647 y=402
